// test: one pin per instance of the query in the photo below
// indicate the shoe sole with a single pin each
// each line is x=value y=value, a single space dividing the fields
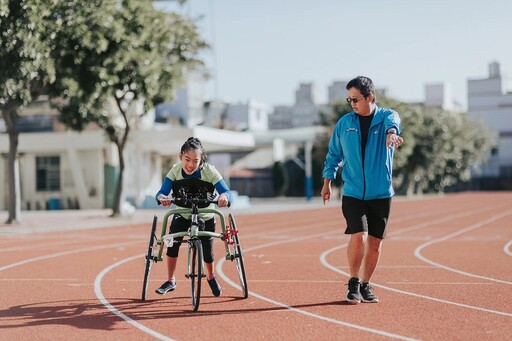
x=353 y=302
x=163 y=293
x=370 y=301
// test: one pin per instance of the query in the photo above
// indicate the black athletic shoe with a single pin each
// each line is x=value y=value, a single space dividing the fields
x=214 y=285
x=166 y=287
x=353 y=295
x=367 y=294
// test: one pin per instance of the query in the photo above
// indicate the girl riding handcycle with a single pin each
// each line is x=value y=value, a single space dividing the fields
x=193 y=182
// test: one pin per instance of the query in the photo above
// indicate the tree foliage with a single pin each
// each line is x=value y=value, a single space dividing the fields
x=116 y=60
x=25 y=71
x=440 y=147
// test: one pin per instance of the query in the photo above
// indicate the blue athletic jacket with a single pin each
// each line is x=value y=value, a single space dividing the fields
x=371 y=179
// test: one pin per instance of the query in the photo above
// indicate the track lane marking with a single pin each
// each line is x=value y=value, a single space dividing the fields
x=65 y=253
x=221 y=274
x=507 y=248
x=417 y=251
x=333 y=268
x=112 y=309
x=323 y=260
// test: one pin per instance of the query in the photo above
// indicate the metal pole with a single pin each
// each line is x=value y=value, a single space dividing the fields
x=308 y=148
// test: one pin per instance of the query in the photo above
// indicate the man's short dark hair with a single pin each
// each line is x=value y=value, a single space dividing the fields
x=364 y=85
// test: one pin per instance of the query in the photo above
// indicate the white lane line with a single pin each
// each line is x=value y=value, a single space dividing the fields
x=507 y=248
x=323 y=260
x=65 y=253
x=75 y=240
x=100 y=296
x=440 y=283
x=97 y=281
x=469 y=228
x=40 y=279
x=104 y=301
x=221 y=274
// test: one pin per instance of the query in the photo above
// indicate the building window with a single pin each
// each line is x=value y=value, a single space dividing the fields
x=47 y=173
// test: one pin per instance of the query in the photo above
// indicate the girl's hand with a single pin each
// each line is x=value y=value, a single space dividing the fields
x=223 y=200
x=165 y=200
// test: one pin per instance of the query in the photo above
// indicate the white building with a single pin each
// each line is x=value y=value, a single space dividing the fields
x=305 y=112
x=79 y=170
x=439 y=95
x=490 y=102
x=249 y=116
x=337 y=91
x=187 y=108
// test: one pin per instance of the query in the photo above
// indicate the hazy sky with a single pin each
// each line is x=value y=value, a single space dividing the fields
x=262 y=49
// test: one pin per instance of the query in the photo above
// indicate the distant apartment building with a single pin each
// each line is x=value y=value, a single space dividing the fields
x=491 y=102
x=305 y=112
x=249 y=116
x=215 y=112
x=439 y=95
x=337 y=91
x=187 y=108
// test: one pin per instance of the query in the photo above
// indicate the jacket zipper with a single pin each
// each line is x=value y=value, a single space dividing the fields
x=362 y=157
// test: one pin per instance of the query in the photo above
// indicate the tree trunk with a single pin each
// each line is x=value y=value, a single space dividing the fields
x=13 y=203
x=116 y=208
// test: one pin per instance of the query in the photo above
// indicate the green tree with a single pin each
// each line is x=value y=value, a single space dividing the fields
x=117 y=62
x=445 y=146
x=25 y=72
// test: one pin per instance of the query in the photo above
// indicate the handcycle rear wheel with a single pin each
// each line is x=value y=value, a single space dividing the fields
x=239 y=258
x=149 y=258
x=195 y=272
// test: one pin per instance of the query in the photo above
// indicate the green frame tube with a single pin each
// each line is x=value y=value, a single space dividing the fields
x=173 y=211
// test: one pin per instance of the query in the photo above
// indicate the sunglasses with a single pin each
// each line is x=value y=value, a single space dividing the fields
x=354 y=100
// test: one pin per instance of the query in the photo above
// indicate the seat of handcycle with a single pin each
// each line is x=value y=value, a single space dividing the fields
x=192 y=188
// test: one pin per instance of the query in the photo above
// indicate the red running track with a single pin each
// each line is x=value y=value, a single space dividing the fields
x=445 y=274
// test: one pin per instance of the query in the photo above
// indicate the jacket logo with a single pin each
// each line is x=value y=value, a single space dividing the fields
x=350 y=129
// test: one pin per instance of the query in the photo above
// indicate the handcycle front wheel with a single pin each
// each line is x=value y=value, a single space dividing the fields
x=239 y=258
x=195 y=271
x=149 y=258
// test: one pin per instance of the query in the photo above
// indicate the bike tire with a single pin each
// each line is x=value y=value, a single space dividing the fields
x=149 y=258
x=195 y=271
x=239 y=259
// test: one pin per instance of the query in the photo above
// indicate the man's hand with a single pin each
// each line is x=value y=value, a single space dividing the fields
x=393 y=141
x=326 y=190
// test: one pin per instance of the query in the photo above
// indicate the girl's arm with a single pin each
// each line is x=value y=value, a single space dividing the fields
x=222 y=188
x=165 y=189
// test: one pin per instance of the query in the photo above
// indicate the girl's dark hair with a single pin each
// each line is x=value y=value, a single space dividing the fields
x=364 y=85
x=194 y=143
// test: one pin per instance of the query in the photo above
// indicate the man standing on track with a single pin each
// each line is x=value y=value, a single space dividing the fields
x=363 y=143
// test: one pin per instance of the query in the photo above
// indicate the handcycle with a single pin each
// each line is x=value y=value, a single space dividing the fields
x=193 y=197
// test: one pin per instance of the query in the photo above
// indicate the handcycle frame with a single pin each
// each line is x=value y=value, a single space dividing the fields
x=195 y=263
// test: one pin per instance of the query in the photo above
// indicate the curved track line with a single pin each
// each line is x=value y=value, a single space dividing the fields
x=507 y=248
x=417 y=251
x=103 y=300
x=300 y=311
x=64 y=253
x=323 y=260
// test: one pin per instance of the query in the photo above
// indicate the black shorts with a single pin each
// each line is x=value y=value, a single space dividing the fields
x=180 y=224
x=366 y=215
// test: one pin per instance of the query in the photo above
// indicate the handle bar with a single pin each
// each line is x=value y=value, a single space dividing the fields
x=194 y=200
